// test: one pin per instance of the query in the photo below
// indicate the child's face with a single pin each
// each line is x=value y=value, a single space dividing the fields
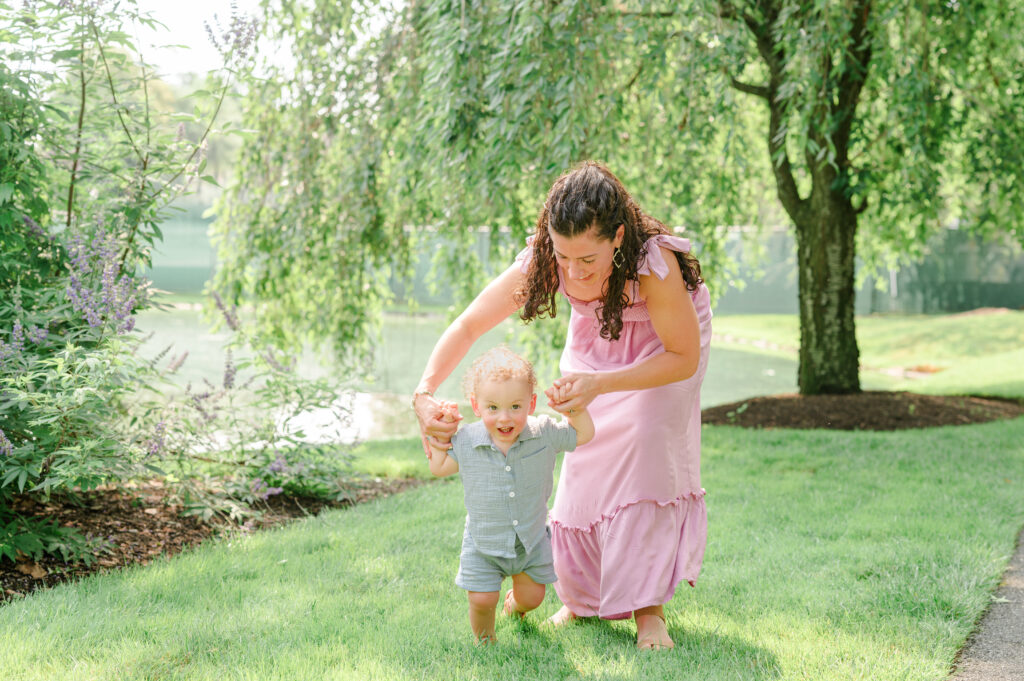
x=503 y=406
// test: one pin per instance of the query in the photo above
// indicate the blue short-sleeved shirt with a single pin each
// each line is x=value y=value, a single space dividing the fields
x=507 y=495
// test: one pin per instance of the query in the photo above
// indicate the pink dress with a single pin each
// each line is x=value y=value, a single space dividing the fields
x=629 y=520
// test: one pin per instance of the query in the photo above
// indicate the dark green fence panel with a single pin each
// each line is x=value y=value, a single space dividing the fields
x=959 y=272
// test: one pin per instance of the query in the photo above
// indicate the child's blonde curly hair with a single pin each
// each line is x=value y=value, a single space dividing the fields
x=500 y=364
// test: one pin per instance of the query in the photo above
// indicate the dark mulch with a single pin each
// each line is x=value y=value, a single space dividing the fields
x=869 y=410
x=138 y=523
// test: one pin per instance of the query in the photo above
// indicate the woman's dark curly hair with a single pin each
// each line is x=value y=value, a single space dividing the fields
x=591 y=196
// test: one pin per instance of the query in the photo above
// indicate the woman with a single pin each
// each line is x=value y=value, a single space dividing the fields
x=629 y=521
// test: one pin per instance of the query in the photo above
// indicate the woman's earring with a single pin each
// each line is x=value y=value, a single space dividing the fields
x=618 y=258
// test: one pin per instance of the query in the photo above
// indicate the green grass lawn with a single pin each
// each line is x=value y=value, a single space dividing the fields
x=831 y=556
x=394 y=458
x=976 y=354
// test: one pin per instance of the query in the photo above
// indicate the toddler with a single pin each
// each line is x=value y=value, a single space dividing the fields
x=506 y=461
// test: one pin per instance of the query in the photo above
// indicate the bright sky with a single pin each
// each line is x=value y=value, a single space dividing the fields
x=184 y=20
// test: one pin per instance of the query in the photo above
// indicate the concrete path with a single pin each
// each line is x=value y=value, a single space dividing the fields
x=995 y=652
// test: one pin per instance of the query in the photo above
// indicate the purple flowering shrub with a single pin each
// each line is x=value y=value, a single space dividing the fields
x=82 y=198
x=68 y=373
x=66 y=365
x=69 y=237
x=97 y=289
x=231 y=446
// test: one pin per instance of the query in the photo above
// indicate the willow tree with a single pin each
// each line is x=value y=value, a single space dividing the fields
x=886 y=120
x=874 y=122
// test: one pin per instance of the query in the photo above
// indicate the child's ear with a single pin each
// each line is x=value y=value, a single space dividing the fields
x=533 y=402
x=476 y=408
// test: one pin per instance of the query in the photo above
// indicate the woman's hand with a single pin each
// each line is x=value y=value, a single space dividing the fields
x=438 y=421
x=573 y=392
x=557 y=394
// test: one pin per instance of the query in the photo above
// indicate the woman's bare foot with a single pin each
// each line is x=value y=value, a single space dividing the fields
x=561 y=618
x=651 y=633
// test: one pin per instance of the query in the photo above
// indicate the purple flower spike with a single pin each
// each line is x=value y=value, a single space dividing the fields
x=17 y=338
x=156 y=444
x=36 y=230
x=94 y=289
x=230 y=316
x=229 y=371
x=278 y=465
x=37 y=334
x=260 y=489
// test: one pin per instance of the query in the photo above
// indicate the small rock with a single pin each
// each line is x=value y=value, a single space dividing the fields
x=33 y=570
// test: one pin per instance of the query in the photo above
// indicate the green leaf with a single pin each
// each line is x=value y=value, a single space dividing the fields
x=67 y=54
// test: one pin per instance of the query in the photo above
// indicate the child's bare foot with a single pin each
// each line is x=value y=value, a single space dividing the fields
x=486 y=639
x=561 y=618
x=510 y=607
x=652 y=634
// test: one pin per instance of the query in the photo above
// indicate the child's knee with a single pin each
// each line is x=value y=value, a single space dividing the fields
x=483 y=599
x=528 y=595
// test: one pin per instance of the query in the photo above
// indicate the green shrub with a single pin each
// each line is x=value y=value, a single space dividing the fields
x=87 y=170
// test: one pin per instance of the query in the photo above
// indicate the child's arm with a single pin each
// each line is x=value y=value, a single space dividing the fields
x=584 y=425
x=579 y=419
x=442 y=465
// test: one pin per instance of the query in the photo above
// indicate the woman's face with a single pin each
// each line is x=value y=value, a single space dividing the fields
x=586 y=259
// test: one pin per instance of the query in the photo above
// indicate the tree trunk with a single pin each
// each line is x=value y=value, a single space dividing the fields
x=825 y=258
x=826 y=221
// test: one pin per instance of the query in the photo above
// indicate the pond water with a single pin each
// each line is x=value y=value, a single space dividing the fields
x=379 y=408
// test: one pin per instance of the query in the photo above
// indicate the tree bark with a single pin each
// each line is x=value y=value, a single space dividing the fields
x=829 y=357
x=826 y=221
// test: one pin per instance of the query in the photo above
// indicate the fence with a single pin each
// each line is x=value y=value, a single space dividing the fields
x=959 y=272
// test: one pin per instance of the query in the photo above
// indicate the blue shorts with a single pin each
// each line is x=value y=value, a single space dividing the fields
x=481 y=572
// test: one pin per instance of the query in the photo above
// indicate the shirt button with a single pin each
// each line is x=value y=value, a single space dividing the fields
x=508 y=468
x=511 y=494
x=514 y=523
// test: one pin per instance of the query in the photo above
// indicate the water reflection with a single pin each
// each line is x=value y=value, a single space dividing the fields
x=381 y=409
x=371 y=417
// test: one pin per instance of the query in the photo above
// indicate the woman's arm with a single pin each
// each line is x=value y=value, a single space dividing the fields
x=675 y=321
x=488 y=309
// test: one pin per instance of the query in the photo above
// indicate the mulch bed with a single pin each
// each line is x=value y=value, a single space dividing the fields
x=869 y=410
x=138 y=523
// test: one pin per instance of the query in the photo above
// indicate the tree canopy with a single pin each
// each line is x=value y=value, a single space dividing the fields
x=874 y=123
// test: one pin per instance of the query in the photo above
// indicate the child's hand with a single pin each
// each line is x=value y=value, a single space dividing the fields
x=557 y=395
x=571 y=393
x=562 y=392
x=449 y=414
x=438 y=421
